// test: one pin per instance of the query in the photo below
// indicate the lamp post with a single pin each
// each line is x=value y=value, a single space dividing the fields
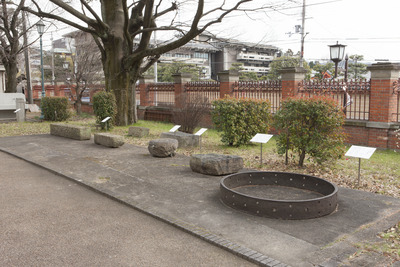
x=337 y=53
x=40 y=28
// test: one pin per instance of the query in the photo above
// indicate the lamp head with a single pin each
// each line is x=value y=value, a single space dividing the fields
x=40 y=27
x=337 y=52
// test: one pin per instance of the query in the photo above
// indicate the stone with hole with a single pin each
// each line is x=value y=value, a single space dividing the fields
x=216 y=164
x=163 y=147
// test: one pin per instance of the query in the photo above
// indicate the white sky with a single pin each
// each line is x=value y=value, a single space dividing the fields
x=368 y=28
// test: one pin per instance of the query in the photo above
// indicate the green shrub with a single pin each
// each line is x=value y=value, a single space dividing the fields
x=240 y=119
x=311 y=127
x=55 y=108
x=104 y=105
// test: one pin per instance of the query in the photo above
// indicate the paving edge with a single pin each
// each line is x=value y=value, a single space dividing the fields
x=232 y=247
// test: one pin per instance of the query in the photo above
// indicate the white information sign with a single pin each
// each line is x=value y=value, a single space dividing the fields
x=106 y=119
x=201 y=131
x=174 y=129
x=261 y=138
x=361 y=152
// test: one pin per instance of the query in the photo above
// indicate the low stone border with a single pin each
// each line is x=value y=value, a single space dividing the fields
x=108 y=140
x=70 y=131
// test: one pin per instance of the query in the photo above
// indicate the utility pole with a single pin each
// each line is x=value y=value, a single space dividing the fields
x=52 y=61
x=302 y=33
x=27 y=62
x=155 y=67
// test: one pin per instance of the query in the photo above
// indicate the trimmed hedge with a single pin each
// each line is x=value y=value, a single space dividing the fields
x=55 y=108
x=104 y=105
x=240 y=119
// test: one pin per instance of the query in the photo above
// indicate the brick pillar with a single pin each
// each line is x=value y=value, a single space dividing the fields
x=37 y=91
x=50 y=90
x=383 y=104
x=290 y=80
x=227 y=79
x=179 y=83
x=144 y=95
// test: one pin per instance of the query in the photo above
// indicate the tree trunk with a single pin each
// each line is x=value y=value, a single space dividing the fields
x=11 y=79
x=302 y=157
x=117 y=81
x=78 y=106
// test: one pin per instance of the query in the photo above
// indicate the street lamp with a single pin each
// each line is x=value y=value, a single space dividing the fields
x=337 y=54
x=40 y=28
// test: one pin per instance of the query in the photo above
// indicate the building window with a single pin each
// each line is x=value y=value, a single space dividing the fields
x=182 y=55
x=200 y=55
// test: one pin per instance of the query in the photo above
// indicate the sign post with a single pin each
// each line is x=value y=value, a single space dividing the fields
x=174 y=129
x=360 y=152
x=105 y=120
x=262 y=139
x=199 y=133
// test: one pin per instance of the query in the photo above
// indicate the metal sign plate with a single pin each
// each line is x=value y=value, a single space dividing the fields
x=201 y=131
x=106 y=119
x=174 y=129
x=361 y=152
x=261 y=138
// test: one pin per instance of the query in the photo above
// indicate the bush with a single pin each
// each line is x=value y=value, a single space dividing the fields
x=104 y=105
x=55 y=108
x=191 y=113
x=240 y=119
x=310 y=127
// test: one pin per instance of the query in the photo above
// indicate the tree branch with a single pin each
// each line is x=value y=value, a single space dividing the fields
x=92 y=23
x=149 y=63
x=98 y=19
x=173 y=7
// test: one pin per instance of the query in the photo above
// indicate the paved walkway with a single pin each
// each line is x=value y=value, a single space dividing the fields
x=46 y=220
x=168 y=190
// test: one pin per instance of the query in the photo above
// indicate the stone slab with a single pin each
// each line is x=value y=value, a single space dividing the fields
x=184 y=139
x=137 y=131
x=108 y=140
x=70 y=131
x=216 y=164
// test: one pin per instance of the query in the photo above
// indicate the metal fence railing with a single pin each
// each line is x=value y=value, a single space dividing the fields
x=353 y=96
x=265 y=90
x=204 y=92
x=161 y=94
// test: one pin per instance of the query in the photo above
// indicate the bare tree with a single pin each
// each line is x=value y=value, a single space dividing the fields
x=10 y=36
x=124 y=29
x=86 y=67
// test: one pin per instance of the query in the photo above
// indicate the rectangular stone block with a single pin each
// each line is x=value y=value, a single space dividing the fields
x=184 y=139
x=138 y=131
x=70 y=131
x=108 y=140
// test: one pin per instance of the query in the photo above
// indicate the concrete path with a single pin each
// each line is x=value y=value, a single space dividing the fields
x=169 y=190
x=46 y=220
